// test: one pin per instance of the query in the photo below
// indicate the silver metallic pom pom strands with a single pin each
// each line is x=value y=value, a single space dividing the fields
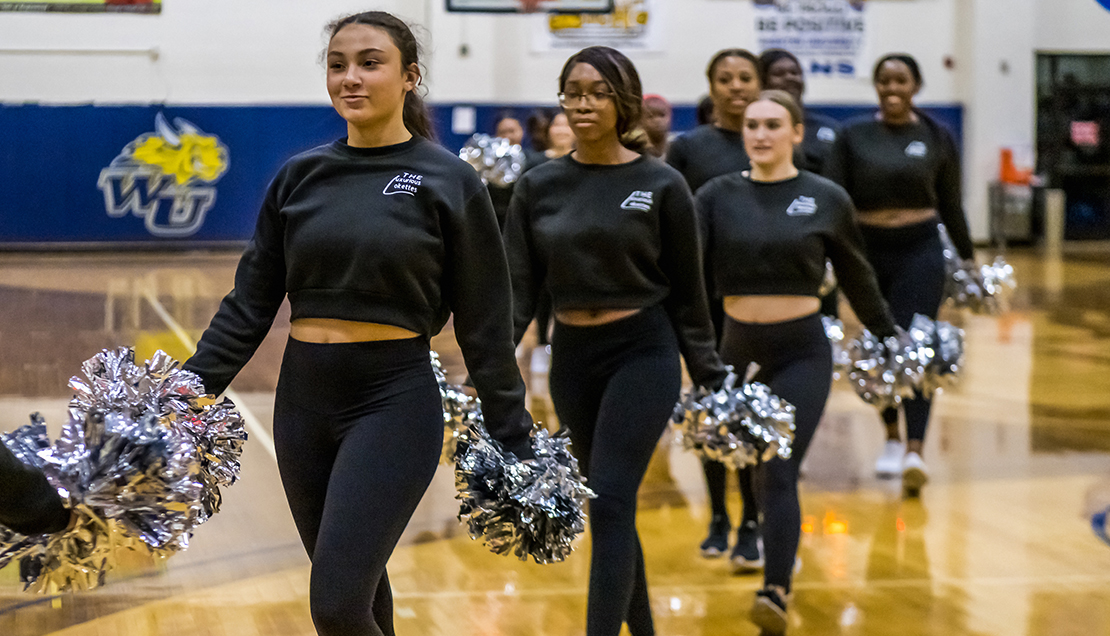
x=736 y=425
x=498 y=161
x=140 y=464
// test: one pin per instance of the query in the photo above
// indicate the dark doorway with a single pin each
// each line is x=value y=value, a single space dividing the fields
x=1073 y=138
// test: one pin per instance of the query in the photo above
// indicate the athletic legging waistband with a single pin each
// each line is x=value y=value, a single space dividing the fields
x=885 y=238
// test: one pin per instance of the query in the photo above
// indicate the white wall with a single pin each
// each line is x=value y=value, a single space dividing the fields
x=266 y=51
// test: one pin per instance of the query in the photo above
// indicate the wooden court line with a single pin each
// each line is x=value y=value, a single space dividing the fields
x=253 y=425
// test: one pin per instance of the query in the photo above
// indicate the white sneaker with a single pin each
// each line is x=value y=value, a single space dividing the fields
x=889 y=464
x=915 y=474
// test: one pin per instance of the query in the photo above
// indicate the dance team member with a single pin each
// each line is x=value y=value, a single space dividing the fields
x=28 y=503
x=612 y=235
x=714 y=149
x=766 y=235
x=780 y=69
x=704 y=153
x=376 y=239
x=902 y=170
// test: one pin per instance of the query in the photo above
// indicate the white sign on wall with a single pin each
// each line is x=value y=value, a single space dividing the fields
x=632 y=25
x=827 y=36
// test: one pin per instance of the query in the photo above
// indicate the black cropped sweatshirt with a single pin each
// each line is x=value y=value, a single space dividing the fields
x=707 y=152
x=612 y=237
x=772 y=238
x=913 y=166
x=401 y=235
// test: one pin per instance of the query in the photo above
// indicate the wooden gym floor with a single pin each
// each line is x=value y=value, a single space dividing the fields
x=999 y=543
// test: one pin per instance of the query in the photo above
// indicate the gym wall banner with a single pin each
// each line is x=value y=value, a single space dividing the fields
x=156 y=175
x=827 y=36
x=632 y=25
x=87 y=6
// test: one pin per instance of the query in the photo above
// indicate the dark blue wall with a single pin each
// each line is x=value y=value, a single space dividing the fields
x=51 y=158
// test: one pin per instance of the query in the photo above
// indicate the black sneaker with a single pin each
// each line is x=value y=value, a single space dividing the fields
x=717 y=542
x=747 y=554
x=769 y=611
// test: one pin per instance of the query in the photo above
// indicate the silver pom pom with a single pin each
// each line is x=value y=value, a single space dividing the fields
x=113 y=383
x=737 y=426
x=497 y=160
x=460 y=410
x=533 y=508
x=924 y=359
x=983 y=289
x=884 y=372
x=942 y=346
x=132 y=484
x=842 y=361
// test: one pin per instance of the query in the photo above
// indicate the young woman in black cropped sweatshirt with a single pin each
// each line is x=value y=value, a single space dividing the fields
x=766 y=236
x=375 y=239
x=706 y=152
x=612 y=236
x=902 y=170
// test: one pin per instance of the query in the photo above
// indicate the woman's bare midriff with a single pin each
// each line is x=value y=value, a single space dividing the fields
x=897 y=217
x=592 y=317
x=770 y=309
x=334 y=331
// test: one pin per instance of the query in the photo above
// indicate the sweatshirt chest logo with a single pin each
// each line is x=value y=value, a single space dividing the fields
x=917 y=149
x=826 y=134
x=802 y=206
x=638 y=200
x=404 y=183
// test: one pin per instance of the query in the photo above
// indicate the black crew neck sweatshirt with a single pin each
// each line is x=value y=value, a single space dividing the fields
x=611 y=237
x=821 y=132
x=915 y=165
x=772 y=238
x=707 y=152
x=401 y=235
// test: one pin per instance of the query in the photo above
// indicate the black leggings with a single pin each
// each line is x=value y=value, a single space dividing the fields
x=614 y=387
x=358 y=430
x=795 y=360
x=909 y=263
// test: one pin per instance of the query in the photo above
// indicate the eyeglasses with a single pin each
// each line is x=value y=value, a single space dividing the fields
x=567 y=100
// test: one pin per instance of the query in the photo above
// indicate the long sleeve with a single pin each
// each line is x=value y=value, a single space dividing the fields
x=844 y=247
x=247 y=312
x=950 y=204
x=687 y=304
x=525 y=269
x=28 y=504
x=836 y=164
x=477 y=289
x=703 y=205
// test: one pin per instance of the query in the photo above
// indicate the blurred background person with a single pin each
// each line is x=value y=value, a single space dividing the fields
x=708 y=151
x=657 y=124
x=902 y=170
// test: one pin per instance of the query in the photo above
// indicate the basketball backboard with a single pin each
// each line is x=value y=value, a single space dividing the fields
x=517 y=6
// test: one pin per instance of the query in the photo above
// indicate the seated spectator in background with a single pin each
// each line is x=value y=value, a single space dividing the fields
x=657 y=124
